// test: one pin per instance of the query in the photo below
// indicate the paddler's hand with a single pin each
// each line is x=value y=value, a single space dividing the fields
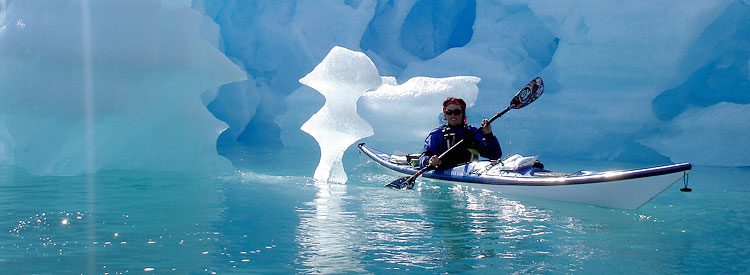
x=486 y=127
x=434 y=161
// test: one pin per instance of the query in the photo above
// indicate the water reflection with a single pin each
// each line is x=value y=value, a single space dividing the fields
x=140 y=222
x=257 y=225
x=508 y=223
x=440 y=227
x=328 y=234
x=396 y=232
x=479 y=229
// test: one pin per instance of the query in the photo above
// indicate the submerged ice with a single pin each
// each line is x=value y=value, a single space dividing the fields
x=626 y=81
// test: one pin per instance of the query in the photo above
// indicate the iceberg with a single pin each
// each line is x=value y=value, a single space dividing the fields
x=342 y=77
x=108 y=85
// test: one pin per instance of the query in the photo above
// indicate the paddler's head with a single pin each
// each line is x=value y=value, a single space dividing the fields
x=454 y=110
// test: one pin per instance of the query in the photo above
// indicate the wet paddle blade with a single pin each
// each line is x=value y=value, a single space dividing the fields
x=401 y=183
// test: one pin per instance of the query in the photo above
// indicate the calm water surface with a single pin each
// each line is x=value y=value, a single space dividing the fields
x=258 y=222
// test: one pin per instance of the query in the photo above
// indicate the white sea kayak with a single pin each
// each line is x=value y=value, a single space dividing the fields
x=625 y=189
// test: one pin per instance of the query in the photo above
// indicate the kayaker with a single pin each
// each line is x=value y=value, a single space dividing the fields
x=477 y=141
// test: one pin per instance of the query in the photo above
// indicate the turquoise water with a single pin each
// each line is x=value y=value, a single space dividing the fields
x=257 y=222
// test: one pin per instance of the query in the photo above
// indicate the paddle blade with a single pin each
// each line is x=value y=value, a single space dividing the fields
x=538 y=88
x=521 y=98
x=401 y=183
x=528 y=94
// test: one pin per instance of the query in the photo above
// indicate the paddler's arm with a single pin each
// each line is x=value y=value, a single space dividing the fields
x=431 y=145
x=490 y=146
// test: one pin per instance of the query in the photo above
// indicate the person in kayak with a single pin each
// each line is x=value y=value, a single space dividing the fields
x=477 y=141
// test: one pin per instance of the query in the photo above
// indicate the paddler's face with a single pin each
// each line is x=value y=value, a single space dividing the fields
x=454 y=115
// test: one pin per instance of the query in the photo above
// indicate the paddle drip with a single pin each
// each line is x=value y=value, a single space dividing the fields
x=685 y=182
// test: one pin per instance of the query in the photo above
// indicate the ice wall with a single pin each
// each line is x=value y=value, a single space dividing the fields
x=721 y=129
x=617 y=67
x=709 y=104
x=277 y=43
x=108 y=85
x=618 y=74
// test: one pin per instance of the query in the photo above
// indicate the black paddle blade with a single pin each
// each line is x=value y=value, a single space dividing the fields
x=528 y=94
x=401 y=183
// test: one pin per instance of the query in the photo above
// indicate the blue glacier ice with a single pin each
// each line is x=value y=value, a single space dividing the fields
x=108 y=85
x=170 y=83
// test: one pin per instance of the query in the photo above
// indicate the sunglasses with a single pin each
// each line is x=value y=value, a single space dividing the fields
x=454 y=112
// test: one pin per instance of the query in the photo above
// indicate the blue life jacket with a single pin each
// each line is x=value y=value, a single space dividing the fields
x=475 y=142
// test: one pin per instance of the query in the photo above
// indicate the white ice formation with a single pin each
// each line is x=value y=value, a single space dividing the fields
x=342 y=77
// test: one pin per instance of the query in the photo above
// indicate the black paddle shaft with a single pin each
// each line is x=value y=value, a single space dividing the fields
x=421 y=171
x=496 y=116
